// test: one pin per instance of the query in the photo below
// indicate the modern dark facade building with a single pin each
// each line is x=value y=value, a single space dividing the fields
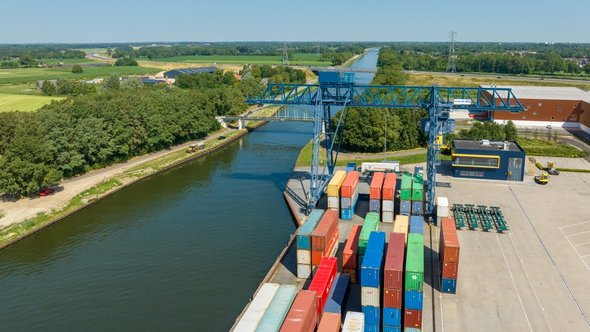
x=484 y=159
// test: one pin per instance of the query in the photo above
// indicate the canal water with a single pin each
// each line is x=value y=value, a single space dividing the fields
x=182 y=250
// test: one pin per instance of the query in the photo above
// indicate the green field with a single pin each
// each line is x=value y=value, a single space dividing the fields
x=26 y=103
x=302 y=59
x=23 y=75
x=53 y=62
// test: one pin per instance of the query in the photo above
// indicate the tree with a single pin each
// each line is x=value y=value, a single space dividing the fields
x=112 y=83
x=126 y=61
x=510 y=133
x=26 y=60
x=48 y=88
x=77 y=69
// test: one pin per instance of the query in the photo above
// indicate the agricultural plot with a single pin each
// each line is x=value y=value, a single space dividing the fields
x=302 y=59
x=25 y=103
x=22 y=75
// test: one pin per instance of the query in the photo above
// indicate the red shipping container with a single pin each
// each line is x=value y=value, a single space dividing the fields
x=352 y=274
x=393 y=274
x=376 y=185
x=324 y=237
x=413 y=318
x=449 y=242
x=330 y=322
x=349 y=185
x=392 y=298
x=350 y=252
x=389 y=186
x=330 y=251
x=303 y=315
x=449 y=270
x=322 y=281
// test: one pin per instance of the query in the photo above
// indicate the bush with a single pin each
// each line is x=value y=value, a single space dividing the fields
x=77 y=69
x=125 y=62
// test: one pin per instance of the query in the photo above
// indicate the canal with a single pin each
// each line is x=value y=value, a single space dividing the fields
x=182 y=250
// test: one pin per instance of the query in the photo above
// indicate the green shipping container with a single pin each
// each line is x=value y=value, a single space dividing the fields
x=277 y=310
x=371 y=224
x=418 y=178
x=406 y=181
x=417 y=195
x=414 y=278
x=405 y=195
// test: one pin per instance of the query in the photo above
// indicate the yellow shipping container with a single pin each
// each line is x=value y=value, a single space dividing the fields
x=333 y=189
x=401 y=225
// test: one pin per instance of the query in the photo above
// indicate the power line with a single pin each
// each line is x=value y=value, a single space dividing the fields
x=452 y=64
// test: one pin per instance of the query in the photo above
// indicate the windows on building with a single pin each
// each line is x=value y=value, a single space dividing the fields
x=471 y=173
x=476 y=161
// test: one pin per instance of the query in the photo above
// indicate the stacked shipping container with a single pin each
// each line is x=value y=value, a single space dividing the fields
x=303 y=315
x=333 y=190
x=349 y=194
x=323 y=280
x=414 y=279
x=388 y=196
x=371 y=224
x=375 y=192
x=350 y=254
x=442 y=209
x=324 y=239
x=256 y=309
x=393 y=277
x=330 y=322
x=304 y=243
x=449 y=255
x=401 y=225
x=277 y=310
x=417 y=194
x=371 y=275
x=354 y=322
x=405 y=204
x=336 y=302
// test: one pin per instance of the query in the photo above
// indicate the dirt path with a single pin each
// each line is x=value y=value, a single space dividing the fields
x=371 y=156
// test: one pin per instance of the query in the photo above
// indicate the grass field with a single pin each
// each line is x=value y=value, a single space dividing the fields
x=20 y=88
x=301 y=59
x=548 y=148
x=25 y=103
x=23 y=75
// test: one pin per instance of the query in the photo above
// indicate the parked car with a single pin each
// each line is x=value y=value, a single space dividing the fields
x=46 y=192
x=221 y=138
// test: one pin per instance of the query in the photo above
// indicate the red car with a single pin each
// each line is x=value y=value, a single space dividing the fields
x=46 y=191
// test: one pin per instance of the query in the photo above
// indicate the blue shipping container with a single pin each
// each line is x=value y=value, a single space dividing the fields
x=338 y=294
x=405 y=208
x=371 y=315
x=417 y=225
x=413 y=300
x=389 y=328
x=392 y=316
x=417 y=208
x=375 y=205
x=346 y=214
x=371 y=328
x=277 y=310
x=449 y=286
x=372 y=265
x=329 y=77
x=304 y=232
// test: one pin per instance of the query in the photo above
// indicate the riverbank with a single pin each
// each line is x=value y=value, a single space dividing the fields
x=27 y=216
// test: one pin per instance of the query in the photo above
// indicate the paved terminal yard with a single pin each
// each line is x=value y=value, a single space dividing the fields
x=535 y=277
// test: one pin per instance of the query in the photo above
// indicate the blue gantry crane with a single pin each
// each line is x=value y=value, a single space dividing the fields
x=337 y=91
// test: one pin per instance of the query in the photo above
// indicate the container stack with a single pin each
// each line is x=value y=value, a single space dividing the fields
x=449 y=255
x=257 y=308
x=333 y=190
x=330 y=322
x=278 y=309
x=401 y=225
x=417 y=194
x=371 y=224
x=375 y=192
x=349 y=194
x=388 y=196
x=324 y=239
x=336 y=302
x=303 y=315
x=350 y=167
x=417 y=225
x=414 y=279
x=442 y=209
x=405 y=204
x=393 y=277
x=350 y=254
x=354 y=322
x=371 y=274
x=323 y=280
x=304 y=243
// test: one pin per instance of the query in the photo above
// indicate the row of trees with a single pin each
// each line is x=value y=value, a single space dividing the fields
x=278 y=74
x=491 y=131
x=10 y=52
x=126 y=62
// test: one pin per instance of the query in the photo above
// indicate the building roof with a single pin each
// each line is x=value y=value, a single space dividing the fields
x=547 y=92
x=468 y=144
x=189 y=71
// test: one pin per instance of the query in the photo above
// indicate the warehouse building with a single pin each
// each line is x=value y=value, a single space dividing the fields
x=484 y=159
x=173 y=74
x=566 y=107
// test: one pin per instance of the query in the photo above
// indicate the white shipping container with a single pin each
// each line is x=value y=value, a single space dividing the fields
x=303 y=256
x=442 y=201
x=303 y=271
x=354 y=322
x=387 y=217
x=442 y=207
x=333 y=202
x=388 y=205
x=389 y=166
x=256 y=309
x=370 y=296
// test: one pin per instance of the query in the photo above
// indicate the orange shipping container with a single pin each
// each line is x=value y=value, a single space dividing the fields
x=376 y=185
x=330 y=322
x=392 y=298
x=325 y=231
x=303 y=315
x=349 y=185
x=449 y=242
x=389 y=186
x=350 y=252
x=449 y=270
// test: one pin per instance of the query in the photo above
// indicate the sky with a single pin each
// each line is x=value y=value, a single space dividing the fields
x=75 y=21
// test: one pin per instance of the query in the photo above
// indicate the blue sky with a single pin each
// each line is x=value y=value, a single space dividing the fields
x=34 y=21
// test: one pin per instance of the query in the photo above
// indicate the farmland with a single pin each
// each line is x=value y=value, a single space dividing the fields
x=25 y=103
x=22 y=75
x=301 y=59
